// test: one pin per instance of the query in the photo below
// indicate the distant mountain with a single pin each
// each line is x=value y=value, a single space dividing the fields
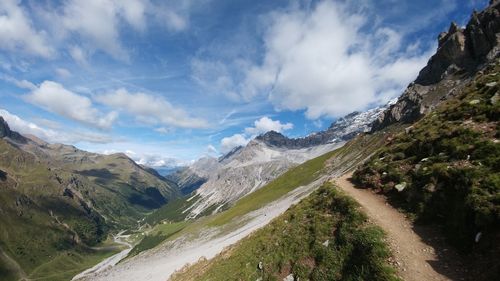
x=246 y=170
x=218 y=183
x=343 y=129
x=59 y=200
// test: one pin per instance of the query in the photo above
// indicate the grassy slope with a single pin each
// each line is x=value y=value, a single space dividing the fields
x=450 y=162
x=294 y=244
x=69 y=263
x=28 y=193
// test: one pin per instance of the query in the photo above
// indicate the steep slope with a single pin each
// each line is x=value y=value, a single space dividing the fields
x=444 y=168
x=57 y=201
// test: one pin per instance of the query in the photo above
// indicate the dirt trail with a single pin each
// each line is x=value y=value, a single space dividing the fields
x=419 y=253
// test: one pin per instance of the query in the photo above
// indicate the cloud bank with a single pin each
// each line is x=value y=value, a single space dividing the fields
x=53 y=97
x=327 y=60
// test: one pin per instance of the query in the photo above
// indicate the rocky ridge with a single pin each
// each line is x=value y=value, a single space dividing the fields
x=461 y=53
x=343 y=129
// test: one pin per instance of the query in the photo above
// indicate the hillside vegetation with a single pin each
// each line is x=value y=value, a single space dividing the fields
x=59 y=204
x=445 y=169
x=324 y=237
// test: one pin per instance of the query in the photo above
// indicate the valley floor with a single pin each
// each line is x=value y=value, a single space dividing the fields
x=419 y=252
x=160 y=263
x=109 y=262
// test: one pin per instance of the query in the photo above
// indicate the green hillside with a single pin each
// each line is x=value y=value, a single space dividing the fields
x=58 y=205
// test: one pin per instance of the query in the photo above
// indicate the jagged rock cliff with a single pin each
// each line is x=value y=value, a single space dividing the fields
x=6 y=132
x=461 y=53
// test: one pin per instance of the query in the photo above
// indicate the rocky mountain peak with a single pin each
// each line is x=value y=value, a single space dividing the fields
x=4 y=128
x=461 y=53
x=273 y=138
x=464 y=48
x=6 y=132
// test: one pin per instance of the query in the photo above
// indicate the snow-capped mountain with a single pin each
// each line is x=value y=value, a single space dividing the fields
x=342 y=129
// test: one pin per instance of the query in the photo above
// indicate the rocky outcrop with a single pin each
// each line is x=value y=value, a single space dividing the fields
x=464 y=48
x=6 y=132
x=461 y=53
x=4 y=128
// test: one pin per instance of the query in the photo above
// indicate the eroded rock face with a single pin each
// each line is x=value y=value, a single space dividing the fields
x=6 y=132
x=461 y=53
x=465 y=49
x=4 y=128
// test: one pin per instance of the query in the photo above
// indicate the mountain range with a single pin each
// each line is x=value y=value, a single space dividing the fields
x=218 y=183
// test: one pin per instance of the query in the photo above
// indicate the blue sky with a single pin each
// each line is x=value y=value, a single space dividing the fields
x=169 y=81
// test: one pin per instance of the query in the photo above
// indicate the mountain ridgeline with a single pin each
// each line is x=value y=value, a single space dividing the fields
x=56 y=201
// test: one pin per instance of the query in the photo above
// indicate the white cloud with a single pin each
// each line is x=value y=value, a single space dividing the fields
x=79 y=55
x=18 y=34
x=163 y=130
x=91 y=25
x=325 y=62
x=153 y=160
x=211 y=150
x=53 y=97
x=23 y=84
x=228 y=143
x=62 y=135
x=96 y=22
x=151 y=109
x=63 y=72
x=266 y=124
x=324 y=59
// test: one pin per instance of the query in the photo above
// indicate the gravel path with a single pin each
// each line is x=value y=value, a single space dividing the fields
x=419 y=253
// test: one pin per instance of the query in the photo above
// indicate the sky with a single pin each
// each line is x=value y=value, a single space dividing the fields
x=168 y=82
